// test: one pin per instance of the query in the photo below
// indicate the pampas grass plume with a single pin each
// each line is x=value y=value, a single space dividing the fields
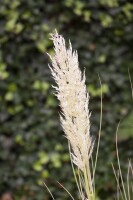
x=75 y=116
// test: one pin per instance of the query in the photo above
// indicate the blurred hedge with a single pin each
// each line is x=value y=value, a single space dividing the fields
x=32 y=146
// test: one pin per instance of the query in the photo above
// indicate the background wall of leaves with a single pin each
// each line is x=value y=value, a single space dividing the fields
x=32 y=146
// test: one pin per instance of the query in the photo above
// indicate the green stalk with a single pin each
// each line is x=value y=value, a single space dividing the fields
x=88 y=187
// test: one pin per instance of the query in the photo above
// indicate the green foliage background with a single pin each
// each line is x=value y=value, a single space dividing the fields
x=32 y=146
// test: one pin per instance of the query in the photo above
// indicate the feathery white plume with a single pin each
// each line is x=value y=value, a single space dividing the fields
x=74 y=99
